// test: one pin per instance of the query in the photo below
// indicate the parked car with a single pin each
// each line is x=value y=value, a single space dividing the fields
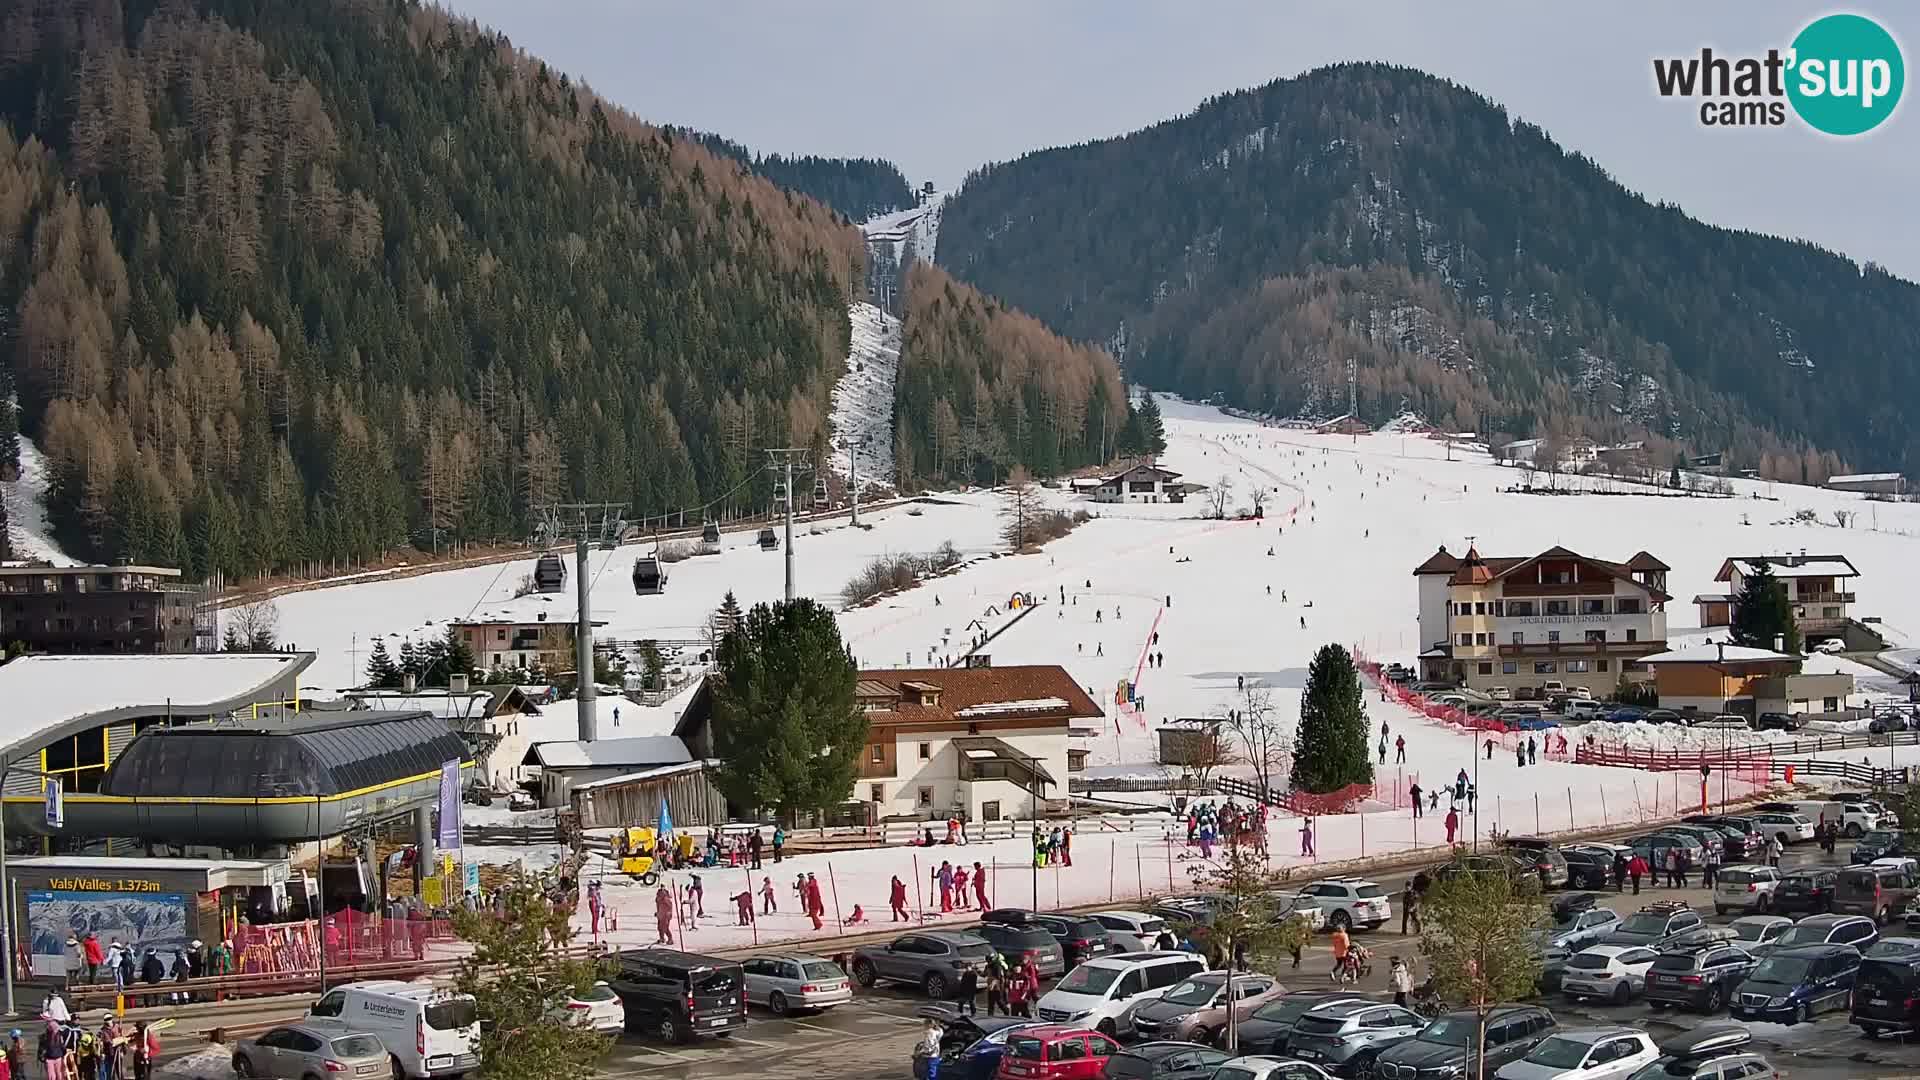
x=1500 y=693
x=933 y=960
x=1588 y=867
x=1624 y=714
x=1260 y=1067
x=1704 y=837
x=1744 y=888
x=1516 y=866
x=1794 y=985
x=1351 y=902
x=1165 y=1061
x=970 y=1045
x=1663 y=716
x=1055 y=1052
x=1878 y=892
x=1738 y=841
x=1806 y=891
x=1653 y=847
x=1585 y=709
x=1708 y=1052
x=1078 y=937
x=597 y=1007
x=1347 y=1039
x=1701 y=978
x=1777 y=721
x=1654 y=925
x=1855 y=930
x=1028 y=941
x=1879 y=844
x=1757 y=933
x=1134 y=931
x=1270 y=1029
x=1788 y=828
x=426 y=1031
x=1546 y=858
x=1290 y=905
x=1886 y=989
x=783 y=982
x=680 y=996
x=1196 y=1009
x=1590 y=1054
x=1098 y=991
x=1574 y=929
x=306 y=1051
x=1448 y=1043
x=1613 y=973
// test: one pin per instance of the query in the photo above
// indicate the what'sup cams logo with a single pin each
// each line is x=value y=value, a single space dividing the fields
x=1842 y=75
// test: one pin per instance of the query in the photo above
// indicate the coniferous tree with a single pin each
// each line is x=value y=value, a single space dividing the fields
x=1330 y=746
x=411 y=661
x=785 y=725
x=382 y=672
x=1153 y=430
x=459 y=656
x=1762 y=614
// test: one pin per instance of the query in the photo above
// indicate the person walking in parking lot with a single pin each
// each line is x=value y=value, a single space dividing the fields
x=968 y=993
x=1619 y=872
x=1709 y=866
x=1636 y=869
x=1409 y=909
x=1774 y=851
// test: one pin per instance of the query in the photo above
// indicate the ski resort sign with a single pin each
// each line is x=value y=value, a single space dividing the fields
x=1556 y=620
x=1842 y=75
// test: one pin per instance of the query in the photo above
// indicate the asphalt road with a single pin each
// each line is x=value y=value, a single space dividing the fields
x=874 y=1036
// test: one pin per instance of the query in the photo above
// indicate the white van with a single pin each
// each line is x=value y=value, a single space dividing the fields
x=427 y=1031
x=1819 y=810
x=1094 y=994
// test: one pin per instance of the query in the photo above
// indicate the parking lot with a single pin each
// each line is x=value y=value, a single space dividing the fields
x=874 y=1036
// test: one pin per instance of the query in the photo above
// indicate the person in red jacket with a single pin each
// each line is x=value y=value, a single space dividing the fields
x=1636 y=869
x=980 y=885
x=897 y=896
x=90 y=948
x=815 y=906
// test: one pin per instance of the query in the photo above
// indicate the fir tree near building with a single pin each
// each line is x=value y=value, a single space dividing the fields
x=382 y=672
x=1330 y=747
x=1246 y=923
x=785 y=726
x=1762 y=614
x=517 y=970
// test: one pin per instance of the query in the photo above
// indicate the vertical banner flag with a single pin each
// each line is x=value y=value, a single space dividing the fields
x=449 y=838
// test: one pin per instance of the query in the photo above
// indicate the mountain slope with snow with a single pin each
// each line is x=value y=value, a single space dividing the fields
x=863 y=399
x=916 y=228
x=26 y=501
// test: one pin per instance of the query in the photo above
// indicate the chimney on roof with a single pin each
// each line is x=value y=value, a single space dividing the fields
x=457 y=683
x=408 y=683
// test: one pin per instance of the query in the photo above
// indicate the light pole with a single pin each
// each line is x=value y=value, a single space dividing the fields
x=1473 y=804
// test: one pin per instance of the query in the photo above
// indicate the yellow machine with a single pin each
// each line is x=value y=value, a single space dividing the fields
x=634 y=848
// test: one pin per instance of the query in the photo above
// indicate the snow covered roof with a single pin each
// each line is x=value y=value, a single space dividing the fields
x=48 y=693
x=996 y=708
x=609 y=753
x=1043 y=694
x=1708 y=653
x=1864 y=478
x=643 y=774
x=1788 y=565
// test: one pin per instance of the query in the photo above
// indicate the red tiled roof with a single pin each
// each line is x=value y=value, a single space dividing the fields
x=964 y=688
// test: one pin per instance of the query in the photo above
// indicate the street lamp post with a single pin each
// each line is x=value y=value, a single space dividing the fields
x=1473 y=804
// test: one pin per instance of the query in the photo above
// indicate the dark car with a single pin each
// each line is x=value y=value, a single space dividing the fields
x=1704 y=837
x=1886 y=989
x=1878 y=892
x=1079 y=937
x=1625 y=714
x=1855 y=930
x=1777 y=721
x=1164 y=1061
x=1546 y=858
x=1701 y=978
x=1653 y=847
x=1588 y=867
x=1663 y=716
x=933 y=961
x=1447 y=1044
x=1805 y=891
x=1879 y=844
x=1793 y=985
x=1018 y=943
x=680 y=996
x=1270 y=1028
x=1737 y=842
x=1655 y=925
x=970 y=1046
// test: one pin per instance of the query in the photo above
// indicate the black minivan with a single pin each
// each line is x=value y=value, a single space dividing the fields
x=1886 y=990
x=679 y=996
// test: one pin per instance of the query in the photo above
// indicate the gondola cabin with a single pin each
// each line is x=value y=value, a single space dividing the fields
x=819 y=494
x=768 y=540
x=710 y=539
x=649 y=576
x=550 y=574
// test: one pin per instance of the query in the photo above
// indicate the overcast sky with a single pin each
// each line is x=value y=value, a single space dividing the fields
x=942 y=88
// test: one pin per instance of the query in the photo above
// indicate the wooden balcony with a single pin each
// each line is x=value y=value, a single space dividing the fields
x=1583 y=648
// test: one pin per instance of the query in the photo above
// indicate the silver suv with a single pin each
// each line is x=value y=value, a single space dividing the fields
x=934 y=960
x=1345 y=1038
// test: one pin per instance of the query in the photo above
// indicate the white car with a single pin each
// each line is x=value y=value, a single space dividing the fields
x=1584 y=1054
x=1262 y=1067
x=1610 y=972
x=1904 y=863
x=1134 y=931
x=1350 y=902
x=1585 y=708
x=1094 y=994
x=1831 y=646
x=1787 y=828
x=599 y=1008
x=1308 y=908
x=1744 y=887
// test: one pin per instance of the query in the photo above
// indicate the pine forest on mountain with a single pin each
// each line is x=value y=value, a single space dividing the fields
x=859 y=188
x=1473 y=270
x=296 y=284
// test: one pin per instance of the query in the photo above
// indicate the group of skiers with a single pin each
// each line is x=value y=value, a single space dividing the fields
x=130 y=966
x=68 y=1051
x=1052 y=847
x=1207 y=824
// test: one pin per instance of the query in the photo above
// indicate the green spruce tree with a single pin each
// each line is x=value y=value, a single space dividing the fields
x=785 y=726
x=382 y=672
x=1763 y=613
x=1330 y=748
x=1153 y=430
x=518 y=969
x=459 y=654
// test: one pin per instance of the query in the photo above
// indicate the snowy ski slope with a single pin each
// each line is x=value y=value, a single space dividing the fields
x=863 y=399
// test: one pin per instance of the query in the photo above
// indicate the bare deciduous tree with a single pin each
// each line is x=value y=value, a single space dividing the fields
x=1020 y=509
x=252 y=627
x=1220 y=496
x=1263 y=739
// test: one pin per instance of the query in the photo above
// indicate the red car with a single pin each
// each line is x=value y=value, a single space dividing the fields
x=1055 y=1052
